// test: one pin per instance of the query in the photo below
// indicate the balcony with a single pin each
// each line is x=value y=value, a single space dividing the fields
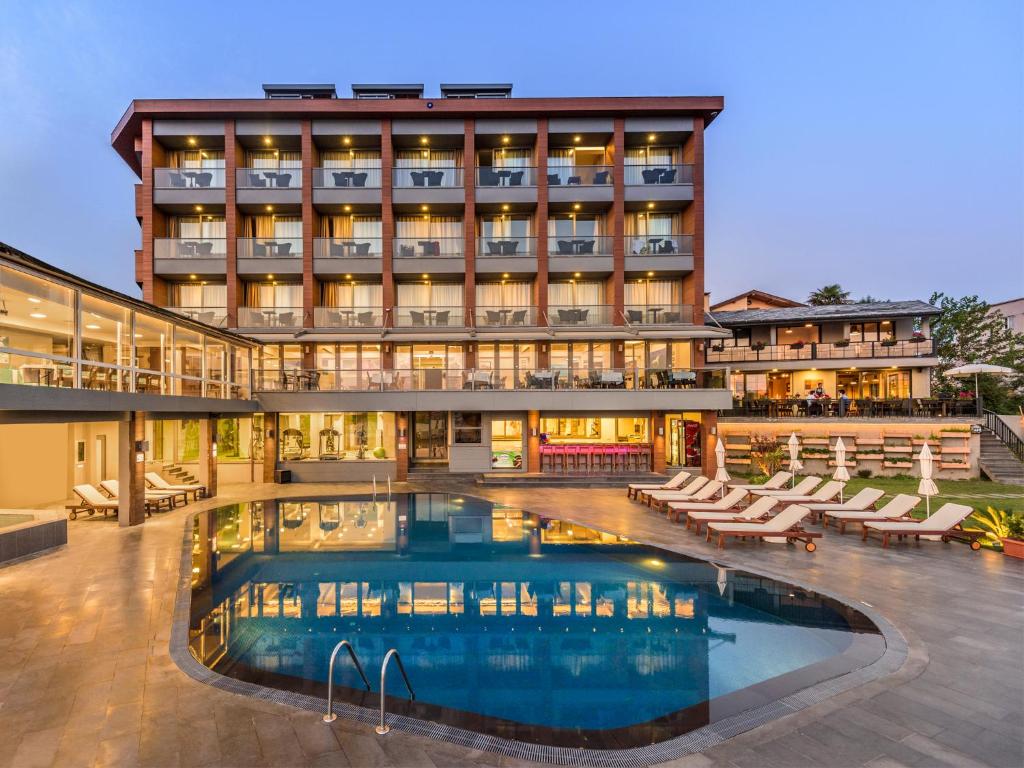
x=580 y=175
x=444 y=176
x=659 y=245
x=269 y=255
x=659 y=182
x=850 y=350
x=215 y=316
x=593 y=245
x=189 y=255
x=655 y=316
x=927 y=408
x=439 y=255
x=337 y=186
x=506 y=185
x=567 y=316
x=188 y=186
x=348 y=318
x=270 y=318
x=501 y=318
x=506 y=247
x=347 y=248
x=266 y=186
x=429 y=317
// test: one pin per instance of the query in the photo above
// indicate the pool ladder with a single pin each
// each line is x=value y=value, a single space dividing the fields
x=382 y=727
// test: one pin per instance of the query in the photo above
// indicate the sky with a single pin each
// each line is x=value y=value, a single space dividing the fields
x=879 y=145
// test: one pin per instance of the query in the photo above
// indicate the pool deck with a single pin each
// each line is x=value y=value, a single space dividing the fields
x=86 y=677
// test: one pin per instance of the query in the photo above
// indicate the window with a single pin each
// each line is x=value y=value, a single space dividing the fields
x=353 y=436
x=604 y=429
x=468 y=428
x=793 y=334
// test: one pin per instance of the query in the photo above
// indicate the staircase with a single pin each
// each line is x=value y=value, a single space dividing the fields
x=998 y=463
x=177 y=474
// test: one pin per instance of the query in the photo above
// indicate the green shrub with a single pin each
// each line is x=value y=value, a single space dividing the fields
x=864 y=473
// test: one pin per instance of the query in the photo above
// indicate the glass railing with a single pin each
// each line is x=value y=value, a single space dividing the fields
x=580 y=315
x=348 y=317
x=368 y=176
x=658 y=173
x=348 y=247
x=266 y=178
x=429 y=317
x=188 y=178
x=505 y=317
x=495 y=176
x=270 y=317
x=215 y=316
x=430 y=176
x=867 y=407
x=429 y=248
x=729 y=352
x=269 y=247
x=658 y=314
x=583 y=175
x=589 y=245
x=506 y=245
x=189 y=247
x=659 y=245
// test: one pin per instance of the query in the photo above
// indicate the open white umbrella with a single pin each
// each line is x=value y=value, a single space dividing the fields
x=926 y=487
x=795 y=465
x=974 y=369
x=721 y=474
x=841 y=473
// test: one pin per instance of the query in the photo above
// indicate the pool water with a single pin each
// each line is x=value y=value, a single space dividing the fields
x=507 y=622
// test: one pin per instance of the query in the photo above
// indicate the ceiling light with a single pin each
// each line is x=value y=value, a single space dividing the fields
x=650 y=274
x=808 y=325
x=424 y=207
x=199 y=208
x=270 y=207
x=576 y=139
x=348 y=207
x=650 y=205
x=346 y=141
x=651 y=136
x=92 y=326
x=576 y=206
x=425 y=275
x=424 y=140
x=37 y=315
x=191 y=277
x=505 y=139
x=504 y=274
x=504 y=207
x=576 y=274
x=191 y=141
x=348 y=277
x=266 y=140
x=789 y=330
x=270 y=277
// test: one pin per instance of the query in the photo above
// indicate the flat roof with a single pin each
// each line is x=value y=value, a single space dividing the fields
x=875 y=310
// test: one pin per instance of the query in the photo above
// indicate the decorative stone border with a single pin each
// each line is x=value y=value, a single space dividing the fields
x=891 y=660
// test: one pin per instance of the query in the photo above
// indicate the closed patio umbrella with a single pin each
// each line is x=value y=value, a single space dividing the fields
x=841 y=473
x=795 y=465
x=974 y=369
x=926 y=487
x=721 y=474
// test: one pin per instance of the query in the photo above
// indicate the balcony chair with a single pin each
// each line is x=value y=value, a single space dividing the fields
x=441 y=318
x=287 y=319
x=283 y=180
x=336 y=250
x=333 y=319
x=204 y=179
x=204 y=249
x=634 y=315
x=359 y=179
x=342 y=178
x=255 y=180
x=493 y=318
x=406 y=251
x=177 y=180
x=581 y=316
x=672 y=317
x=519 y=317
x=509 y=247
x=668 y=246
x=284 y=249
x=365 y=319
x=587 y=246
x=554 y=179
x=419 y=178
x=434 y=178
x=418 y=319
x=575 y=179
x=564 y=248
x=313 y=380
x=259 y=250
x=432 y=248
x=516 y=178
x=489 y=178
x=601 y=177
x=493 y=248
x=651 y=175
x=363 y=249
x=668 y=176
x=567 y=317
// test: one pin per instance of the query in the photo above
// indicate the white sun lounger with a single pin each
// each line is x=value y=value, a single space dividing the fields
x=823 y=495
x=773 y=483
x=898 y=506
x=691 y=488
x=113 y=487
x=756 y=511
x=679 y=478
x=946 y=523
x=731 y=500
x=863 y=499
x=92 y=501
x=802 y=488
x=159 y=484
x=660 y=499
x=784 y=527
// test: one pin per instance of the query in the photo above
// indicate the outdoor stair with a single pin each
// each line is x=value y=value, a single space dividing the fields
x=179 y=475
x=998 y=463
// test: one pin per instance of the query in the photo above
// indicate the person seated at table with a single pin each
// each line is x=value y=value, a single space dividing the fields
x=844 y=402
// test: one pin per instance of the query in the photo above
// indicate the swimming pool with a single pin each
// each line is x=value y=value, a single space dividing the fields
x=508 y=623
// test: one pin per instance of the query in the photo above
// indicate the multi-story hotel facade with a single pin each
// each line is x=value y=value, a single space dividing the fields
x=464 y=283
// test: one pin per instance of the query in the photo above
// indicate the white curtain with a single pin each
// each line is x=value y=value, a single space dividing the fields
x=498 y=226
x=357 y=296
x=512 y=294
x=582 y=293
x=660 y=293
x=413 y=295
x=280 y=296
x=446 y=230
x=574 y=226
x=512 y=158
x=350 y=158
x=446 y=295
x=288 y=227
x=560 y=158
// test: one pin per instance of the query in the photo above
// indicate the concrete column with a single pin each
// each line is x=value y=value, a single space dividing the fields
x=658 y=441
x=708 y=426
x=233 y=152
x=208 y=454
x=387 y=216
x=402 y=446
x=310 y=291
x=269 y=446
x=618 y=278
x=693 y=220
x=469 y=215
x=533 y=441
x=541 y=225
x=131 y=472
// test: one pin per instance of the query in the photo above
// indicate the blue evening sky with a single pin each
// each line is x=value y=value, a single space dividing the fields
x=873 y=143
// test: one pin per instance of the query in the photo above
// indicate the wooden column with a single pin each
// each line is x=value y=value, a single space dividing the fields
x=402 y=446
x=270 y=438
x=541 y=280
x=469 y=217
x=233 y=153
x=658 y=441
x=309 y=287
x=618 y=291
x=131 y=473
x=708 y=424
x=533 y=441
x=208 y=454
x=693 y=220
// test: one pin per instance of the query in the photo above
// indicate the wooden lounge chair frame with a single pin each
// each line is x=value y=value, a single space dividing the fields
x=957 y=532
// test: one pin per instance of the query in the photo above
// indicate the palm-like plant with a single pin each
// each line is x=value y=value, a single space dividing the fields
x=829 y=294
x=994 y=522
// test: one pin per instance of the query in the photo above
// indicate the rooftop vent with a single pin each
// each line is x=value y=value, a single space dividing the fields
x=299 y=91
x=387 y=91
x=476 y=90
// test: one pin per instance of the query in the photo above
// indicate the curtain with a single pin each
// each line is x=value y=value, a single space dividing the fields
x=568 y=227
x=252 y=294
x=413 y=295
x=489 y=294
x=656 y=293
x=512 y=158
x=287 y=227
x=581 y=293
x=446 y=295
x=215 y=296
x=259 y=226
x=560 y=158
x=447 y=230
x=353 y=296
x=184 y=295
x=412 y=227
x=350 y=158
x=261 y=158
x=497 y=226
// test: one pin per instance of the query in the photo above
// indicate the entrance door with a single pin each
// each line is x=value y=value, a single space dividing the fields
x=430 y=437
x=684 y=443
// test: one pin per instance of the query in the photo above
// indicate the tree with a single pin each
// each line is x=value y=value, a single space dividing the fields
x=967 y=331
x=869 y=299
x=829 y=294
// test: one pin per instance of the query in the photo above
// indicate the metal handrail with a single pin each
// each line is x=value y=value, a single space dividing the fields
x=1004 y=434
x=330 y=717
x=383 y=727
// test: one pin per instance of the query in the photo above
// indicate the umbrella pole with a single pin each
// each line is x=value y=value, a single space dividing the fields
x=928 y=505
x=977 y=395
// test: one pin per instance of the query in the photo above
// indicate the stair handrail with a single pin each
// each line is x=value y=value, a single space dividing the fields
x=383 y=727
x=1004 y=434
x=330 y=717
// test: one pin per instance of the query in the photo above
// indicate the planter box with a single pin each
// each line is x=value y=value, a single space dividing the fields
x=1013 y=548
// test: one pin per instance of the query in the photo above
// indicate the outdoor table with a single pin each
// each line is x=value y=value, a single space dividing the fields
x=271 y=316
x=190 y=246
x=653 y=242
x=343 y=178
x=271 y=177
x=271 y=246
x=653 y=311
x=346 y=315
x=191 y=176
x=428 y=315
x=503 y=176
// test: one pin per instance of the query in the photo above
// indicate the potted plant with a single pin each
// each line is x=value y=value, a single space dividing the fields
x=841 y=343
x=797 y=345
x=916 y=337
x=718 y=347
x=888 y=342
x=1001 y=528
x=757 y=346
x=1013 y=541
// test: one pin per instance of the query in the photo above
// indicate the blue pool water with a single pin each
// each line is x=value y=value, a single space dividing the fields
x=507 y=622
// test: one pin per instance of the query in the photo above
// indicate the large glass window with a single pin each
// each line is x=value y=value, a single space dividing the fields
x=39 y=323
x=603 y=429
x=357 y=436
x=794 y=334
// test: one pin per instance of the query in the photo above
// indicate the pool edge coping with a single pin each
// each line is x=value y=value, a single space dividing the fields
x=893 y=658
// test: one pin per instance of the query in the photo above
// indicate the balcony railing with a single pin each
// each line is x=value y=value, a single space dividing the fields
x=430 y=176
x=872 y=408
x=429 y=317
x=659 y=245
x=270 y=317
x=348 y=317
x=580 y=316
x=270 y=247
x=348 y=247
x=506 y=245
x=771 y=353
x=658 y=314
x=658 y=173
x=590 y=245
x=188 y=178
x=368 y=176
x=215 y=316
x=460 y=379
x=581 y=175
x=494 y=176
x=189 y=247
x=266 y=178
x=505 y=317
x=429 y=248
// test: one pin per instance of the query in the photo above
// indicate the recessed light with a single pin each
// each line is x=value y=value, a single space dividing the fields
x=425 y=275
x=576 y=274
x=346 y=141
x=191 y=141
x=37 y=315
x=424 y=140
x=191 y=277
x=650 y=205
x=270 y=208
x=34 y=300
x=651 y=136
x=808 y=325
x=348 y=208
x=266 y=140
x=424 y=207
x=650 y=274
x=199 y=208
x=270 y=277
x=504 y=207
x=505 y=139
x=577 y=139
x=348 y=277
x=92 y=326
x=576 y=206
x=504 y=274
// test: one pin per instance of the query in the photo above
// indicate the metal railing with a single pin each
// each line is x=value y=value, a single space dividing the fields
x=270 y=247
x=188 y=178
x=498 y=176
x=506 y=245
x=330 y=717
x=215 y=316
x=874 y=408
x=583 y=175
x=189 y=247
x=393 y=653
x=643 y=174
x=269 y=178
x=368 y=176
x=659 y=245
x=729 y=353
x=505 y=317
x=348 y=317
x=429 y=317
x=429 y=248
x=348 y=247
x=650 y=314
x=1005 y=435
x=270 y=317
x=580 y=315
x=428 y=176
x=591 y=245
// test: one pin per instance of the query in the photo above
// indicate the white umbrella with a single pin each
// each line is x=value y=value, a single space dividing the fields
x=795 y=465
x=841 y=473
x=927 y=487
x=721 y=474
x=973 y=369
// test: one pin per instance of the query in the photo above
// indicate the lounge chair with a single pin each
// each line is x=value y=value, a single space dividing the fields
x=756 y=511
x=682 y=493
x=158 y=483
x=677 y=480
x=731 y=500
x=785 y=526
x=707 y=491
x=862 y=500
x=823 y=495
x=92 y=501
x=773 y=483
x=802 y=488
x=157 y=498
x=899 y=506
x=947 y=523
